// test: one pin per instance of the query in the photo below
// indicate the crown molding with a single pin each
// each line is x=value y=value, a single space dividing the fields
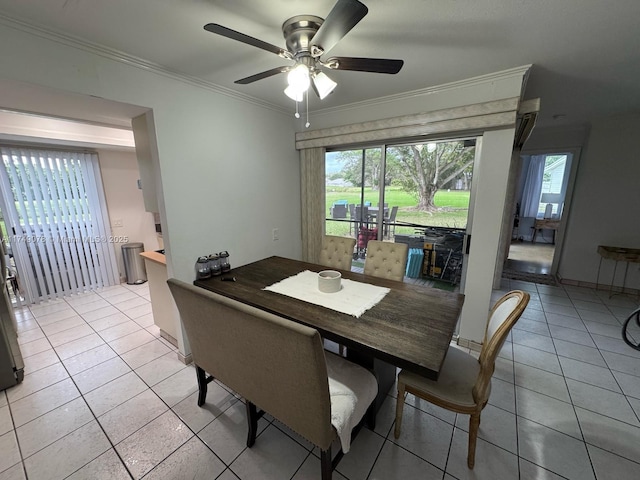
x=522 y=71
x=131 y=60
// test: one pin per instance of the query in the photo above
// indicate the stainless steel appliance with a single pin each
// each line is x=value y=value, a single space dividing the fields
x=11 y=364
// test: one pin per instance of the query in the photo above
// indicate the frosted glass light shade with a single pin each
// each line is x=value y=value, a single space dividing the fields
x=298 y=78
x=323 y=84
x=294 y=94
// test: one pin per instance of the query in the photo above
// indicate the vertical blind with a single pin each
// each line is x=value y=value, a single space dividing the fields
x=54 y=203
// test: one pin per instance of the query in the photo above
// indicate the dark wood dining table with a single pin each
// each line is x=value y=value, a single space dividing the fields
x=410 y=328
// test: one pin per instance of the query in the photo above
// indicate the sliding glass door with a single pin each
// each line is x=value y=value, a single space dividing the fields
x=352 y=189
x=414 y=193
x=56 y=217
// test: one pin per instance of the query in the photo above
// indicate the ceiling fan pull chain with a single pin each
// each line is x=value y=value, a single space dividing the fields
x=306 y=94
x=297 y=115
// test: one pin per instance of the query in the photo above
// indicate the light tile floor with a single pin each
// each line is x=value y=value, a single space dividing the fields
x=104 y=397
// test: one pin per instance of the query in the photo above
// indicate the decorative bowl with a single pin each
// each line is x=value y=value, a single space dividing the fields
x=329 y=281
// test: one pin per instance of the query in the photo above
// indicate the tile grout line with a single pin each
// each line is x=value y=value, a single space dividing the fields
x=573 y=406
x=385 y=439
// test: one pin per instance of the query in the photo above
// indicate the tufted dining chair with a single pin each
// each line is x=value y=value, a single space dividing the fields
x=337 y=252
x=386 y=259
x=464 y=382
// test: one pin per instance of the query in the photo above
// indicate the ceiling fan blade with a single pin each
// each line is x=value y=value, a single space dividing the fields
x=241 y=37
x=375 y=65
x=341 y=19
x=260 y=76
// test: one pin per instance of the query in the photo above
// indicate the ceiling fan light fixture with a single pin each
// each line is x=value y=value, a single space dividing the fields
x=293 y=94
x=323 y=85
x=298 y=78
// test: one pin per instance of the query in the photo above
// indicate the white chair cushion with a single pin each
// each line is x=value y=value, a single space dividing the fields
x=352 y=388
x=455 y=382
x=500 y=314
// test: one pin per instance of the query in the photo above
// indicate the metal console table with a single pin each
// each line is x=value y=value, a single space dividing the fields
x=618 y=254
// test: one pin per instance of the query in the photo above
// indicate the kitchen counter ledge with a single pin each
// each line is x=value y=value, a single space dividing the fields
x=155 y=257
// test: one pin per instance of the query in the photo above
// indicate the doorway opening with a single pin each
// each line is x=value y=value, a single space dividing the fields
x=541 y=197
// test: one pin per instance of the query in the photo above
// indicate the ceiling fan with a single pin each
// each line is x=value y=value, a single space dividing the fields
x=308 y=38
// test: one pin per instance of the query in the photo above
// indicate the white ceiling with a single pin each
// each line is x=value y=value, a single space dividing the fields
x=586 y=53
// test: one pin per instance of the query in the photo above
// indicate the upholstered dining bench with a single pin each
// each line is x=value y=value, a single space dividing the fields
x=277 y=366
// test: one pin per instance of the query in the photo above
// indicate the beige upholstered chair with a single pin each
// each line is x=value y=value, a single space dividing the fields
x=337 y=252
x=464 y=383
x=278 y=366
x=386 y=259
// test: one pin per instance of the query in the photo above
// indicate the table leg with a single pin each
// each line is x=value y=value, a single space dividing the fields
x=385 y=373
x=613 y=279
x=598 y=274
x=624 y=279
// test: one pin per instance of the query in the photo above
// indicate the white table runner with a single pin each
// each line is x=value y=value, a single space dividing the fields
x=354 y=298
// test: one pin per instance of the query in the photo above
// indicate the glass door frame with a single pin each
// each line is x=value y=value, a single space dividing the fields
x=477 y=138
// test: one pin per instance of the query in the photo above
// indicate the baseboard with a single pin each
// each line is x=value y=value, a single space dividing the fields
x=169 y=338
x=185 y=359
x=470 y=344
x=615 y=290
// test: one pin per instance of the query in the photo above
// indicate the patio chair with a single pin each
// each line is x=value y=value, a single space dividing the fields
x=339 y=211
x=464 y=383
x=362 y=213
x=353 y=225
x=389 y=223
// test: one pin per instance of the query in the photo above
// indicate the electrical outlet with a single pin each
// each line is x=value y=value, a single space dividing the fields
x=116 y=222
x=275 y=234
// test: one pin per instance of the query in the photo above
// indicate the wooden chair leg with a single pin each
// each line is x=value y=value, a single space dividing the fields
x=399 y=410
x=474 y=425
x=202 y=385
x=326 y=464
x=252 y=419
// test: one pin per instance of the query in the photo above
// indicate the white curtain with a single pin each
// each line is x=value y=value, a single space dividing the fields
x=55 y=204
x=533 y=186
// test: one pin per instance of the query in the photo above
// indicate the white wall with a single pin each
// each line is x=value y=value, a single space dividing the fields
x=230 y=172
x=119 y=171
x=606 y=202
x=555 y=138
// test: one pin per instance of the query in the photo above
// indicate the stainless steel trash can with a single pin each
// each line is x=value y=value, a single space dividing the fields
x=134 y=263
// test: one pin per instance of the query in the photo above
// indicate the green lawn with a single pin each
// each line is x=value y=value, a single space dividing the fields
x=454 y=205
